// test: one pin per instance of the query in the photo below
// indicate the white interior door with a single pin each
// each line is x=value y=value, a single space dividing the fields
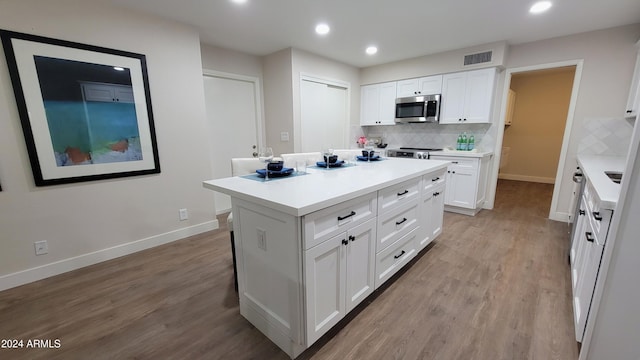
x=323 y=115
x=233 y=115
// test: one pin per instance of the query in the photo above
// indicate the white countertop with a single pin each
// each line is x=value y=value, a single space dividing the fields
x=471 y=154
x=593 y=167
x=319 y=188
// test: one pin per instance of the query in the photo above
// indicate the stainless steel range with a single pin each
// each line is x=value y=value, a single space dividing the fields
x=411 y=152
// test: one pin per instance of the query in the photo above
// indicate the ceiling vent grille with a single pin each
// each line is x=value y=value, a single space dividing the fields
x=479 y=58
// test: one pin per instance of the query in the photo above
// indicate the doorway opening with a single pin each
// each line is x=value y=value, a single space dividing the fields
x=536 y=121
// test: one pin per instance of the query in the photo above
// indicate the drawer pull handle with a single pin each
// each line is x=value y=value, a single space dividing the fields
x=345 y=242
x=581 y=212
x=436 y=193
x=401 y=221
x=403 y=193
x=596 y=215
x=436 y=179
x=399 y=255
x=589 y=236
x=340 y=218
x=454 y=162
x=352 y=238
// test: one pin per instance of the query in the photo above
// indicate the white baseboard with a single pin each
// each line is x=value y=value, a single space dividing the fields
x=517 y=177
x=56 y=268
x=559 y=216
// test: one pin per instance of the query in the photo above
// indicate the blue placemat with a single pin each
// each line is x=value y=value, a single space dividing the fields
x=257 y=177
x=332 y=167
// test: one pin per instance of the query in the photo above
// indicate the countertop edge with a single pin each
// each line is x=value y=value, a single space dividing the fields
x=307 y=209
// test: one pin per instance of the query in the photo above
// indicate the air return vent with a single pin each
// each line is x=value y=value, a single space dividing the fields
x=479 y=58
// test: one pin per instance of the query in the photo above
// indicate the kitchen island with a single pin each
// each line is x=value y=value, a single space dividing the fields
x=311 y=247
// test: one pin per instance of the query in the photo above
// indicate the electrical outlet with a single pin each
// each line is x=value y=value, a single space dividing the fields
x=184 y=214
x=284 y=136
x=262 y=239
x=41 y=247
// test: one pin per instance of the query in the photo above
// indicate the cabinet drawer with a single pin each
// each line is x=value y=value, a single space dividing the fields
x=459 y=163
x=394 y=257
x=325 y=223
x=396 y=223
x=397 y=195
x=430 y=181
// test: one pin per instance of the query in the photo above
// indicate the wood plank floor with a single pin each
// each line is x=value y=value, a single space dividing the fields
x=494 y=286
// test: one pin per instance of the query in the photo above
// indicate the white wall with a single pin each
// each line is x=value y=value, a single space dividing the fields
x=278 y=95
x=230 y=61
x=93 y=221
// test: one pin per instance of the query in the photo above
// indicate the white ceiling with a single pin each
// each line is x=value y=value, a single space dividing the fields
x=401 y=29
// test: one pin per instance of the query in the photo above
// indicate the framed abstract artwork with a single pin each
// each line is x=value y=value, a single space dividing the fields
x=85 y=110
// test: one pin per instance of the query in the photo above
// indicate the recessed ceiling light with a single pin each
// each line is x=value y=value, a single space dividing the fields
x=371 y=50
x=239 y=1
x=322 y=29
x=539 y=7
x=118 y=68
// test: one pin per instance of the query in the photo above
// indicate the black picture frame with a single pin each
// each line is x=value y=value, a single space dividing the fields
x=85 y=110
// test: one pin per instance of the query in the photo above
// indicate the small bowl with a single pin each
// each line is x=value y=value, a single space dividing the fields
x=275 y=165
x=366 y=153
x=332 y=159
x=382 y=146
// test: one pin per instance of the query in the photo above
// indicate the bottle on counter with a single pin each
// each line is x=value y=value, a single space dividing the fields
x=471 y=144
x=463 y=146
x=459 y=144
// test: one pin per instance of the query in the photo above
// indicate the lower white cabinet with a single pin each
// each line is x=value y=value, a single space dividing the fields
x=298 y=276
x=339 y=275
x=431 y=215
x=587 y=246
x=466 y=182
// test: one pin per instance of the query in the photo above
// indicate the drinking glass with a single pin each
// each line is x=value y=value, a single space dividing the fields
x=266 y=155
x=327 y=151
x=369 y=148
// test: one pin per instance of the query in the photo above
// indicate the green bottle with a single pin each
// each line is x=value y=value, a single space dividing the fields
x=471 y=143
x=459 y=144
x=463 y=145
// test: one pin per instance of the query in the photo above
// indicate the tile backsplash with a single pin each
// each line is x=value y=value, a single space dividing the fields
x=431 y=135
x=605 y=136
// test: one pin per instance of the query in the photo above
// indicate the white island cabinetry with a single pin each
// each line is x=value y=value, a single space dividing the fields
x=309 y=248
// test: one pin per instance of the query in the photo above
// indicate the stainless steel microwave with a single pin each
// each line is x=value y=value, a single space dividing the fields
x=418 y=109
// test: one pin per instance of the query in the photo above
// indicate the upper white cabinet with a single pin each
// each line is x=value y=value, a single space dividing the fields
x=428 y=85
x=378 y=104
x=467 y=96
x=104 y=92
x=633 y=102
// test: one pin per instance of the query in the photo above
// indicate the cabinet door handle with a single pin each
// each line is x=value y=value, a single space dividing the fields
x=629 y=111
x=596 y=215
x=401 y=221
x=436 y=193
x=581 y=212
x=453 y=172
x=403 y=193
x=352 y=238
x=454 y=162
x=399 y=255
x=340 y=218
x=436 y=179
x=345 y=242
x=589 y=236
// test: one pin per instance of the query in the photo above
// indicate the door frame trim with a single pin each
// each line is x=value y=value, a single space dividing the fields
x=554 y=213
x=255 y=81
